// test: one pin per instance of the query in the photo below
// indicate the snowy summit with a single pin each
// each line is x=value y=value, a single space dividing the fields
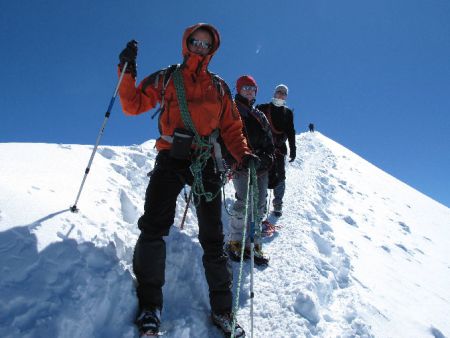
x=357 y=254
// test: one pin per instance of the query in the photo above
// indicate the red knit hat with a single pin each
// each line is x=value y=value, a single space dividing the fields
x=245 y=80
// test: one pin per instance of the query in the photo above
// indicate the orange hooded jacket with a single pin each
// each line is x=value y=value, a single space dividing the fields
x=209 y=109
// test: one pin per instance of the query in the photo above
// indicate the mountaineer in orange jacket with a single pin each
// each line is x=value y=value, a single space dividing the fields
x=185 y=139
x=209 y=108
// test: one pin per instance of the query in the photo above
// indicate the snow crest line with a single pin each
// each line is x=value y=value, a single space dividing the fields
x=359 y=253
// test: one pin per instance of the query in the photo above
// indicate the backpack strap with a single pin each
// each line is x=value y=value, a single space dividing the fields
x=269 y=117
x=218 y=83
x=166 y=75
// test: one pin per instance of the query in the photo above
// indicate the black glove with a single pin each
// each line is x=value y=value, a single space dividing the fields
x=248 y=160
x=129 y=55
x=292 y=156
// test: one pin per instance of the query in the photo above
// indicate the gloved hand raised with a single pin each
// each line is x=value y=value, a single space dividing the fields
x=250 y=159
x=129 y=55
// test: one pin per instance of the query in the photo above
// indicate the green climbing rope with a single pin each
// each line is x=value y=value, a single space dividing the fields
x=252 y=192
x=203 y=147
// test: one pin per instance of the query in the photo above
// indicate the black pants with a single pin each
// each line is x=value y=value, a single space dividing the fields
x=166 y=182
x=277 y=172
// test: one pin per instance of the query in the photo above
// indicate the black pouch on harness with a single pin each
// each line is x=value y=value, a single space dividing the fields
x=181 y=145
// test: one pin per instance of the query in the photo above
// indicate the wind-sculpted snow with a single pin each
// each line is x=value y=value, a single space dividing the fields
x=68 y=287
x=357 y=253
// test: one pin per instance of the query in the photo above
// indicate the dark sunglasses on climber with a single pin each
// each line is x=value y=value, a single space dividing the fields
x=248 y=88
x=200 y=43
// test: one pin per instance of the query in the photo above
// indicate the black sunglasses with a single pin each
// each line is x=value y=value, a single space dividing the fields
x=200 y=43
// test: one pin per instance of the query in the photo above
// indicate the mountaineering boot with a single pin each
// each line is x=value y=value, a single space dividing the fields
x=149 y=321
x=224 y=321
x=233 y=248
x=277 y=210
x=259 y=257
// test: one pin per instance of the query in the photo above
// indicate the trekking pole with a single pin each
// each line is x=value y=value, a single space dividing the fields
x=268 y=203
x=186 y=209
x=241 y=263
x=252 y=245
x=108 y=113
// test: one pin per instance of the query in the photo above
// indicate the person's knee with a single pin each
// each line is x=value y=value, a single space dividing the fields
x=155 y=226
x=212 y=247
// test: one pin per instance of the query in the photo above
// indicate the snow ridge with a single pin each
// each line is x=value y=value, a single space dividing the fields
x=358 y=253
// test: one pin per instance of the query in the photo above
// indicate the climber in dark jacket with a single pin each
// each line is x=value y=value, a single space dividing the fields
x=259 y=139
x=281 y=120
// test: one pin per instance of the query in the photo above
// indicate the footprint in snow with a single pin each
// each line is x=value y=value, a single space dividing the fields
x=324 y=228
x=385 y=248
x=107 y=153
x=405 y=228
x=342 y=263
x=321 y=212
x=129 y=211
x=436 y=333
x=306 y=306
x=139 y=159
x=342 y=183
x=401 y=246
x=350 y=221
x=119 y=169
x=419 y=251
x=323 y=245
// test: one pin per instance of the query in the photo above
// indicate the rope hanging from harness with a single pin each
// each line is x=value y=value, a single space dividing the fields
x=251 y=195
x=203 y=147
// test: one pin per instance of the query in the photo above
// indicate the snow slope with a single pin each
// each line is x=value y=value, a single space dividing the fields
x=359 y=254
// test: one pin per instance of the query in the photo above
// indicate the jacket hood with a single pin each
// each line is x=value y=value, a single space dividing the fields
x=192 y=59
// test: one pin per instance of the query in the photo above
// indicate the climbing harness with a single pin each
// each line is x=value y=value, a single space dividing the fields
x=203 y=146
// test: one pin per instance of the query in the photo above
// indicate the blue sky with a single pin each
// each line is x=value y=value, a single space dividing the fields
x=372 y=75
